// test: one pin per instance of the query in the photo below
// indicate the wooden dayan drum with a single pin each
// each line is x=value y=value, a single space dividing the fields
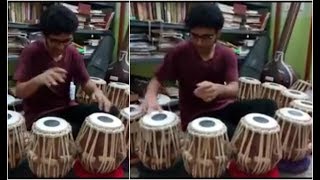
x=296 y=131
x=51 y=151
x=131 y=114
x=116 y=93
x=16 y=138
x=289 y=95
x=82 y=97
x=101 y=143
x=256 y=142
x=249 y=88
x=272 y=91
x=205 y=152
x=158 y=143
x=301 y=85
x=303 y=105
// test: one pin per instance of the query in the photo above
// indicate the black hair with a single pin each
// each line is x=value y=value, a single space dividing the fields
x=205 y=15
x=58 y=19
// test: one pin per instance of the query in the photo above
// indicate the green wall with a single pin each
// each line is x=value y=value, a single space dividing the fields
x=297 y=49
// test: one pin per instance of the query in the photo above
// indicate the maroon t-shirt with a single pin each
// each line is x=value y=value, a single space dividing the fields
x=33 y=61
x=184 y=64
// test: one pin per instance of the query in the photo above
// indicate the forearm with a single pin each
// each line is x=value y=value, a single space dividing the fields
x=153 y=88
x=230 y=90
x=28 y=88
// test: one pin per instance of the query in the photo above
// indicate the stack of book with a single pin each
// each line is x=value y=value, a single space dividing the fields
x=24 y=12
x=95 y=19
x=170 y=12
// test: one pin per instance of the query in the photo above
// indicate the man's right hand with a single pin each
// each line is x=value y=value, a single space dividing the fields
x=151 y=104
x=52 y=77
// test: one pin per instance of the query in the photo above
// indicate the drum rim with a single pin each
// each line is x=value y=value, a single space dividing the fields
x=98 y=80
x=63 y=129
x=123 y=86
x=175 y=121
x=245 y=79
x=125 y=112
x=10 y=99
x=301 y=95
x=272 y=127
x=269 y=85
x=304 y=120
x=164 y=98
x=117 y=123
x=297 y=103
x=193 y=127
x=17 y=119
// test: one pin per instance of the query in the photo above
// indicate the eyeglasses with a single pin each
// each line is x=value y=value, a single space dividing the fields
x=205 y=37
x=58 y=41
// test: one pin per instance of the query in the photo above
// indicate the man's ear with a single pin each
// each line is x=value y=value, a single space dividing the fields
x=218 y=34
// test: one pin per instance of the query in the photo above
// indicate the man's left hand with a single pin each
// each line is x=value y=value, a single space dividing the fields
x=104 y=103
x=208 y=91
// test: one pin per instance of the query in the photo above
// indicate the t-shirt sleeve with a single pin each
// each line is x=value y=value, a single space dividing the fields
x=80 y=73
x=231 y=66
x=167 y=71
x=23 y=71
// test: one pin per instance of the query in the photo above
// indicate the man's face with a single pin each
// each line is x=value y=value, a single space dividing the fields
x=203 y=38
x=57 y=44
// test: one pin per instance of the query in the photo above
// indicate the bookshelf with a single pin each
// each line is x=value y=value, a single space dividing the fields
x=181 y=27
x=24 y=16
x=141 y=23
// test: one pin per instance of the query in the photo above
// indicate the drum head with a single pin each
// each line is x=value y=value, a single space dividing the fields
x=133 y=111
x=295 y=94
x=294 y=115
x=105 y=120
x=208 y=125
x=10 y=99
x=98 y=80
x=51 y=124
x=119 y=85
x=259 y=121
x=274 y=86
x=158 y=119
x=163 y=100
x=305 y=104
x=249 y=80
x=13 y=118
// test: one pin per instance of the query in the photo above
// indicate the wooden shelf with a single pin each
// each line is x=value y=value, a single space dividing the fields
x=181 y=27
x=159 y=60
x=36 y=28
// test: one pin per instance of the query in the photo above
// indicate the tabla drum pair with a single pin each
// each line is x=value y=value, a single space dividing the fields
x=289 y=95
x=118 y=93
x=256 y=144
x=101 y=143
x=85 y=98
x=272 y=91
x=249 y=88
x=206 y=149
x=296 y=131
x=51 y=151
x=158 y=142
x=296 y=134
x=130 y=116
x=17 y=138
x=301 y=85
